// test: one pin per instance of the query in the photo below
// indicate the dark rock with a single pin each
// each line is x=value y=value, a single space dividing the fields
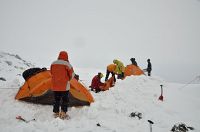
x=2 y=79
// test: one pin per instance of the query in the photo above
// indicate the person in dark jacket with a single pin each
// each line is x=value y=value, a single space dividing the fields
x=96 y=83
x=149 y=67
x=133 y=61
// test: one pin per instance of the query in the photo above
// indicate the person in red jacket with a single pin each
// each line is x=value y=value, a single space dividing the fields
x=62 y=72
x=96 y=83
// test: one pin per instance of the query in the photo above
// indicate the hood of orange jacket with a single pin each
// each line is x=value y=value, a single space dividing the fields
x=63 y=56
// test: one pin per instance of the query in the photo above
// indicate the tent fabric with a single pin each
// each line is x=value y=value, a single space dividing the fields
x=79 y=91
x=132 y=70
x=37 y=89
x=129 y=70
x=48 y=99
x=35 y=86
x=108 y=84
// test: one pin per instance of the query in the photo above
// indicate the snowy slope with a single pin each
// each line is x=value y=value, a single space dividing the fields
x=111 y=109
x=11 y=69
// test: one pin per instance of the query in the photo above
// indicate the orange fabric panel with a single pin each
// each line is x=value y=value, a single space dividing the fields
x=81 y=92
x=38 y=78
x=108 y=84
x=132 y=70
x=23 y=92
x=41 y=88
x=35 y=86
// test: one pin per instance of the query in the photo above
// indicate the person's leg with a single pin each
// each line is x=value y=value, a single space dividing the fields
x=107 y=75
x=149 y=73
x=120 y=76
x=113 y=74
x=65 y=101
x=98 y=90
x=64 y=106
x=56 y=105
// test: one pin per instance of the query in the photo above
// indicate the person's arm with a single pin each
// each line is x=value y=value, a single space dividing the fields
x=116 y=70
x=70 y=72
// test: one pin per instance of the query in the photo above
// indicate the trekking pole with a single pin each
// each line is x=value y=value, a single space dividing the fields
x=161 y=96
x=150 y=124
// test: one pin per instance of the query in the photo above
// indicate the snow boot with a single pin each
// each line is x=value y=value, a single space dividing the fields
x=56 y=115
x=63 y=115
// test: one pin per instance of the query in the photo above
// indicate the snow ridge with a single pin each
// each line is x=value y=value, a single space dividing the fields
x=11 y=68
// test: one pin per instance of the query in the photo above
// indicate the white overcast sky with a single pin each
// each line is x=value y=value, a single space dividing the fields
x=94 y=32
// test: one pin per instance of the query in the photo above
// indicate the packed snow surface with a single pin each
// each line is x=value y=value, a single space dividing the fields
x=111 y=108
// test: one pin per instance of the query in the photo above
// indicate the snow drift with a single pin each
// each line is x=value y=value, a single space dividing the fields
x=111 y=110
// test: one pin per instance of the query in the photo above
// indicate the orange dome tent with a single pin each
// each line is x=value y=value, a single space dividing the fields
x=37 y=89
x=132 y=70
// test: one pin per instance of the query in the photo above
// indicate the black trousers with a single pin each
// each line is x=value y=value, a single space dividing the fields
x=149 y=73
x=107 y=75
x=61 y=99
x=120 y=76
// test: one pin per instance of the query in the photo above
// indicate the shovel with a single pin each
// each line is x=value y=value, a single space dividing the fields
x=161 y=96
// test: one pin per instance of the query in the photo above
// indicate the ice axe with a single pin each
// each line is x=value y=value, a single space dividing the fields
x=150 y=124
x=161 y=96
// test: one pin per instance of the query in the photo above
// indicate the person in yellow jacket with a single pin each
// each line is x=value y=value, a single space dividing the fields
x=119 y=69
x=111 y=69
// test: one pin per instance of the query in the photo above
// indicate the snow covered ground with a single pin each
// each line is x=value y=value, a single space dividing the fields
x=111 y=108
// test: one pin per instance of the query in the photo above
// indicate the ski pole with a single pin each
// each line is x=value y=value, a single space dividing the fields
x=150 y=124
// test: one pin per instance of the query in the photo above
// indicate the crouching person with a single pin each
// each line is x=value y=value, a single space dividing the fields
x=96 y=84
x=62 y=72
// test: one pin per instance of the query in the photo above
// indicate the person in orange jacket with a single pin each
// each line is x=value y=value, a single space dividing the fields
x=62 y=72
x=110 y=70
x=96 y=83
